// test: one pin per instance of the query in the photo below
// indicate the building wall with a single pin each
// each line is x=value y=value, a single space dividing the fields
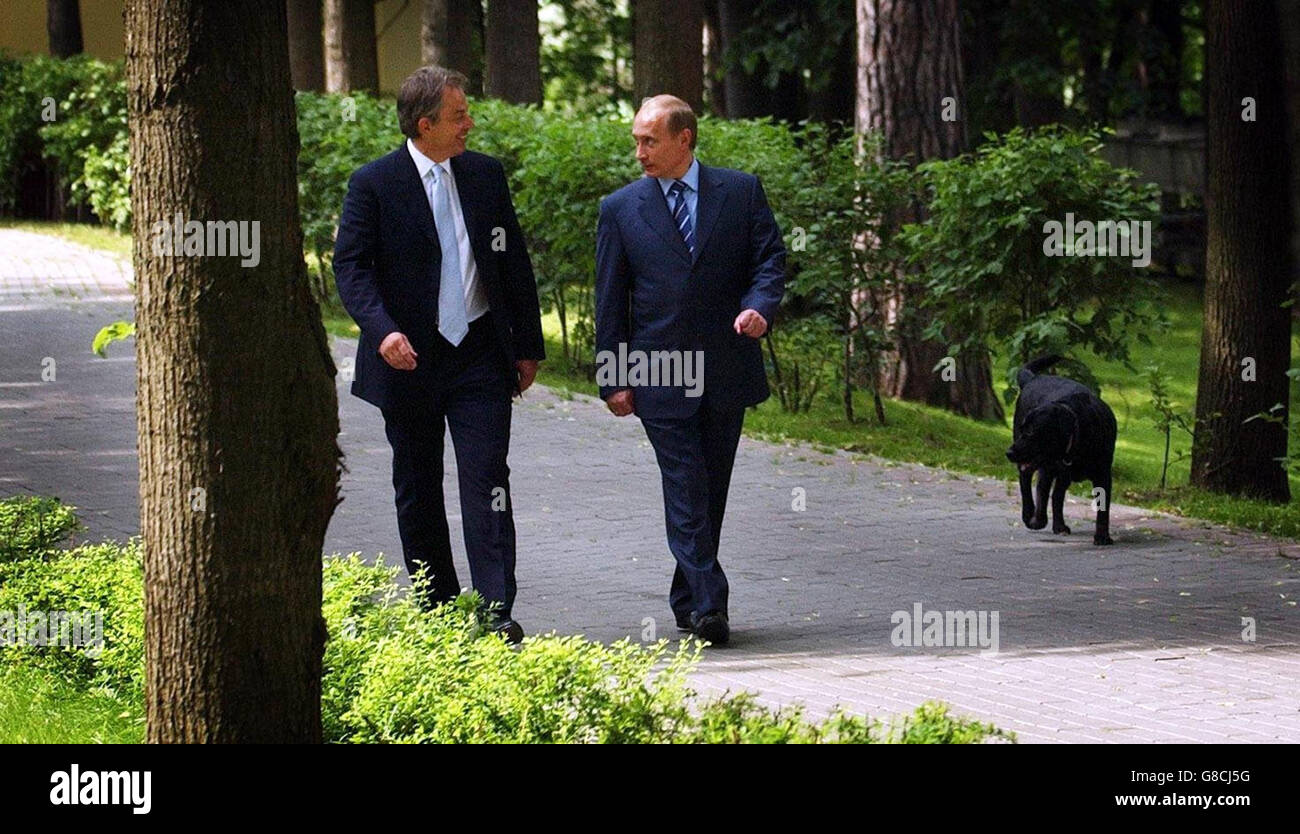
x=22 y=30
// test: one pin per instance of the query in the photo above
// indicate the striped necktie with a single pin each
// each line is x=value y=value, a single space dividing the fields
x=681 y=214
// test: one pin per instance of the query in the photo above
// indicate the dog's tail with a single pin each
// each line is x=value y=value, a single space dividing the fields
x=1034 y=367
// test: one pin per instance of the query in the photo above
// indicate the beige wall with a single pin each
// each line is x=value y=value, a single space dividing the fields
x=22 y=29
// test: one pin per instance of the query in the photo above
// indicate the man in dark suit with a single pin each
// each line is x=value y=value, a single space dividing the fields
x=431 y=263
x=689 y=260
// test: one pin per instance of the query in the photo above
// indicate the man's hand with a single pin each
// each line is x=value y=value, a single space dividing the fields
x=527 y=373
x=620 y=403
x=397 y=351
x=750 y=323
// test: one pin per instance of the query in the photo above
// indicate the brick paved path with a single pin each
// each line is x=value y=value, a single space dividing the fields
x=1138 y=642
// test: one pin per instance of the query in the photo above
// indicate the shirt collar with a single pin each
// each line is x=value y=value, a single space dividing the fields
x=691 y=178
x=423 y=163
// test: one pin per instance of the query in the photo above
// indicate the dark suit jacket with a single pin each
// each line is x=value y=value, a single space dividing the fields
x=653 y=295
x=387 y=263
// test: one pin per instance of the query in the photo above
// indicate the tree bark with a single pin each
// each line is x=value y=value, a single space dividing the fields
x=513 y=52
x=1247 y=259
x=909 y=61
x=351 y=59
x=63 y=24
x=236 y=412
x=668 y=50
x=306 y=44
x=451 y=35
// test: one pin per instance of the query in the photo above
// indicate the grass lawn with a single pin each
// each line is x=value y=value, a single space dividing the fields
x=37 y=708
x=95 y=237
x=937 y=438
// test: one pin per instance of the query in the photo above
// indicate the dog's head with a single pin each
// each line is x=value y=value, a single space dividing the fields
x=1046 y=438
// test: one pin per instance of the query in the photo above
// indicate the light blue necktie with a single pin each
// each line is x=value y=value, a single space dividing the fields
x=452 y=316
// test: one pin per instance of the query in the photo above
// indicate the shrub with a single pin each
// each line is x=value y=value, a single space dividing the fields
x=982 y=249
x=33 y=526
x=107 y=578
x=89 y=109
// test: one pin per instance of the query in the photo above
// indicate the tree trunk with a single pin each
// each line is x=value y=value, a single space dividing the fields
x=909 y=61
x=513 y=52
x=306 y=44
x=451 y=35
x=714 y=66
x=668 y=50
x=351 y=60
x=1247 y=258
x=236 y=411
x=63 y=24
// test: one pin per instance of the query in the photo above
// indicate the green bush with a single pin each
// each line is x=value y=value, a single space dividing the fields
x=89 y=110
x=982 y=249
x=106 y=179
x=337 y=134
x=106 y=578
x=33 y=526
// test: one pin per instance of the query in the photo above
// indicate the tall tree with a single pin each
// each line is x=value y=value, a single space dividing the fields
x=513 y=52
x=306 y=44
x=909 y=62
x=668 y=49
x=63 y=24
x=351 y=58
x=236 y=409
x=1246 y=340
x=451 y=35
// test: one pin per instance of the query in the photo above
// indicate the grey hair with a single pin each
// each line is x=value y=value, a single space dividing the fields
x=421 y=96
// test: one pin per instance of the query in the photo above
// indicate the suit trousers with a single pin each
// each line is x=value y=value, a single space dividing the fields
x=468 y=391
x=695 y=456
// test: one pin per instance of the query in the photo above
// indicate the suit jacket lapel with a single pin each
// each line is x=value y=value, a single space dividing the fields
x=412 y=193
x=654 y=211
x=708 y=207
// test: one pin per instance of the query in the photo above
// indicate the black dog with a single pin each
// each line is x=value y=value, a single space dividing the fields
x=1065 y=433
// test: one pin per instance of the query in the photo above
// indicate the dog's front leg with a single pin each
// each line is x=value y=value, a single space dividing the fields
x=1102 y=534
x=1027 y=498
x=1059 y=487
x=1039 y=521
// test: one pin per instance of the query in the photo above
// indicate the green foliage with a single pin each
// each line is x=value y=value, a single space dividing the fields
x=563 y=174
x=106 y=179
x=90 y=118
x=337 y=135
x=586 y=56
x=982 y=249
x=33 y=526
x=109 y=333
x=86 y=99
x=1168 y=417
x=106 y=578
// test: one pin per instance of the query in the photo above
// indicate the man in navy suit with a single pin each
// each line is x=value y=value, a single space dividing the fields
x=689 y=262
x=430 y=262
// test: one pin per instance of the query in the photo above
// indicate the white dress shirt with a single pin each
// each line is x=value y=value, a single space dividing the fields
x=476 y=303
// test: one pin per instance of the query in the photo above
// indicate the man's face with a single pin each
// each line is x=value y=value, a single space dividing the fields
x=447 y=136
x=660 y=153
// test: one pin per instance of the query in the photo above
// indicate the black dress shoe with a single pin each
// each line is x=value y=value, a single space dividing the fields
x=712 y=627
x=684 y=622
x=511 y=630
